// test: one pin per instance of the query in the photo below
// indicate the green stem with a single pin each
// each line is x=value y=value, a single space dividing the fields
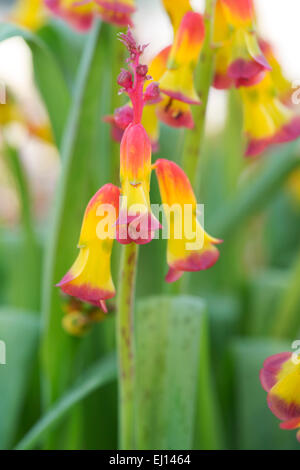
x=288 y=309
x=126 y=346
x=203 y=79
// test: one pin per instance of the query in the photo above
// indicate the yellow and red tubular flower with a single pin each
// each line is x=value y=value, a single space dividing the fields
x=117 y=12
x=190 y=248
x=267 y=121
x=136 y=223
x=240 y=61
x=178 y=80
x=89 y=279
x=280 y=377
x=176 y=10
x=29 y=13
x=170 y=111
x=78 y=14
x=282 y=85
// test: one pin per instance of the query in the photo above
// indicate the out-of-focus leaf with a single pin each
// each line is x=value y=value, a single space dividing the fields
x=19 y=331
x=30 y=254
x=48 y=75
x=255 y=194
x=98 y=375
x=256 y=427
x=168 y=334
x=66 y=45
x=75 y=190
x=265 y=291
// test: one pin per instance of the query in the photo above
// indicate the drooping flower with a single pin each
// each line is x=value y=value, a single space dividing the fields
x=190 y=248
x=80 y=13
x=282 y=85
x=136 y=222
x=267 y=120
x=176 y=10
x=89 y=279
x=178 y=80
x=280 y=377
x=239 y=59
x=29 y=13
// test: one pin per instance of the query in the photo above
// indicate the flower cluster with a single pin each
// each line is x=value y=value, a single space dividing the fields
x=80 y=13
x=173 y=68
x=280 y=377
x=131 y=220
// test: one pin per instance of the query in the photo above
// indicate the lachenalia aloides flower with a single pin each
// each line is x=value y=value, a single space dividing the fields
x=124 y=214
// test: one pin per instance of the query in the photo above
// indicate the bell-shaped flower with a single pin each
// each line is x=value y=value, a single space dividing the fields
x=89 y=279
x=239 y=59
x=190 y=248
x=281 y=83
x=280 y=377
x=176 y=11
x=117 y=12
x=30 y=14
x=267 y=120
x=136 y=222
x=78 y=14
x=178 y=80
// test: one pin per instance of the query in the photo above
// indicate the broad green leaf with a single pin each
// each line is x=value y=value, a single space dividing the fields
x=48 y=76
x=19 y=331
x=79 y=151
x=101 y=373
x=29 y=252
x=256 y=427
x=168 y=336
x=66 y=45
x=265 y=292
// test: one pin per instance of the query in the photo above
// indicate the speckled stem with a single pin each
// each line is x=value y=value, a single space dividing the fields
x=126 y=346
x=203 y=79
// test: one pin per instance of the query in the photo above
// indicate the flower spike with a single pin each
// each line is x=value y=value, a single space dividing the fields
x=89 y=279
x=190 y=248
x=136 y=223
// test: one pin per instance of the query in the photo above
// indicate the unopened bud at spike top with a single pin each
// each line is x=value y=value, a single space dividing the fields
x=89 y=279
x=190 y=248
x=280 y=377
x=178 y=81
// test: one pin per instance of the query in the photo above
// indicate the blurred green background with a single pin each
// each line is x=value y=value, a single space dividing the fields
x=198 y=354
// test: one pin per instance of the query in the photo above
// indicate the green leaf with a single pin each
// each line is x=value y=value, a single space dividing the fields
x=255 y=194
x=168 y=334
x=257 y=428
x=30 y=254
x=48 y=75
x=19 y=331
x=98 y=375
x=66 y=45
x=75 y=189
